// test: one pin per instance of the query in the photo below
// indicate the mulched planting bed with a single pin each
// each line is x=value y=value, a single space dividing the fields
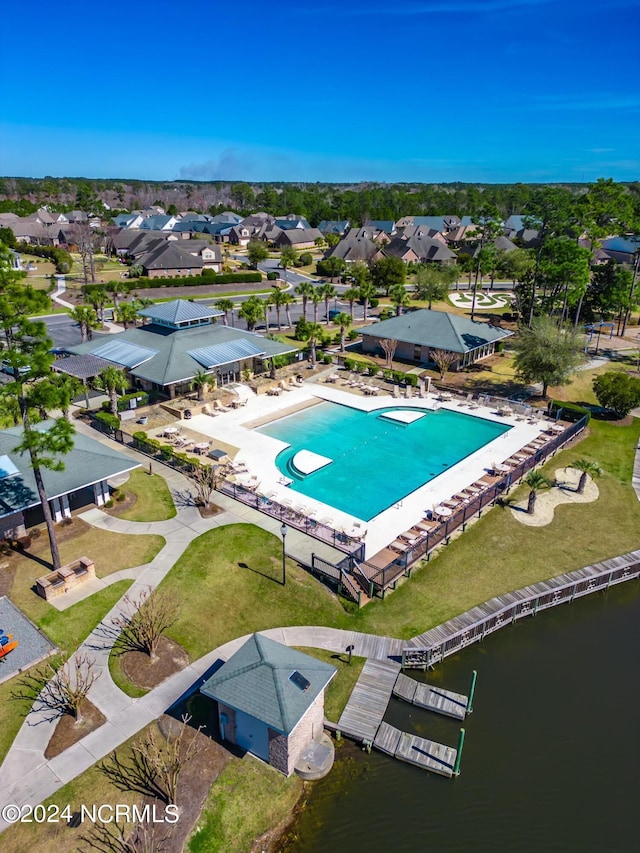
x=67 y=731
x=210 y=510
x=146 y=673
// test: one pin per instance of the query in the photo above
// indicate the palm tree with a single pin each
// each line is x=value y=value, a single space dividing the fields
x=327 y=292
x=536 y=481
x=277 y=300
x=344 y=321
x=112 y=380
x=225 y=305
x=97 y=298
x=252 y=310
x=288 y=257
x=127 y=313
x=314 y=330
x=200 y=382
x=588 y=469
x=316 y=297
x=305 y=289
x=86 y=319
x=399 y=297
x=287 y=301
x=367 y=292
x=351 y=294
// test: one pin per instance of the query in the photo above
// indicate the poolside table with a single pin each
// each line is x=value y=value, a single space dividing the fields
x=443 y=511
x=201 y=446
x=171 y=431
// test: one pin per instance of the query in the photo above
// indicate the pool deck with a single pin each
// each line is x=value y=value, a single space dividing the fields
x=259 y=452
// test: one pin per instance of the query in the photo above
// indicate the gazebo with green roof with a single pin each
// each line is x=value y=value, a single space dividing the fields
x=270 y=700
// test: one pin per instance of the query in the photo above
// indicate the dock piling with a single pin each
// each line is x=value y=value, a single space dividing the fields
x=472 y=691
x=456 y=767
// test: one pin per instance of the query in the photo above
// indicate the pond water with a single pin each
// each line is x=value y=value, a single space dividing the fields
x=551 y=755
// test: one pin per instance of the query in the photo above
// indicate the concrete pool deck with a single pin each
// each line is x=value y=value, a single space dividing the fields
x=259 y=451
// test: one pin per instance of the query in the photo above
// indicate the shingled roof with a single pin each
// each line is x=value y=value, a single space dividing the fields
x=257 y=681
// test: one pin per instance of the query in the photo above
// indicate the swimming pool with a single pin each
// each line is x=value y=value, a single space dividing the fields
x=375 y=461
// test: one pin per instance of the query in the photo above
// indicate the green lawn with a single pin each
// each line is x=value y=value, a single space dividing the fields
x=247 y=799
x=342 y=683
x=229 y=584
x=153 y=498
x=67 y=630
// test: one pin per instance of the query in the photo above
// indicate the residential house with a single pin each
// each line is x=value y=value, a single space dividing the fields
x=352 y=249
x=269 y=700
x=334 y=226
x=210 y=254
x=420 y=332
x=369 y=232
x=419 y=249
x=240 y=235
x=291 y=220
x=168 y=259
x=443 y=224
x=515 y=229
x=298 y=238
x=159 y=222
x=128 y=220
x=386 y=225
x=180 y=340
x=228 y=217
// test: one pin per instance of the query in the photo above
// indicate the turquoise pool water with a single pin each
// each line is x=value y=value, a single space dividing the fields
x=376 y=461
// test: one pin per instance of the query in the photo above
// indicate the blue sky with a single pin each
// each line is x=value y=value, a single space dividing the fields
x=322 y=90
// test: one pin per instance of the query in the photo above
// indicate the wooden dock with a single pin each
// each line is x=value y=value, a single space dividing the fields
x=366 y=707
x=431 y=697
x=418 y=751
x=434 y=645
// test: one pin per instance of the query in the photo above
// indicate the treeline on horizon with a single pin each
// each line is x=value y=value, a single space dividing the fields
x=356 y=203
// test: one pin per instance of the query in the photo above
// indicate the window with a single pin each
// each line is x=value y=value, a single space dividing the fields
x=299 y=680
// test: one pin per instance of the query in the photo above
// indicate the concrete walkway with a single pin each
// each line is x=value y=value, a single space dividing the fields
x=30 y=778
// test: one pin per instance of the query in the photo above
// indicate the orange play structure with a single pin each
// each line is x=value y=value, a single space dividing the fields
x=7 y=643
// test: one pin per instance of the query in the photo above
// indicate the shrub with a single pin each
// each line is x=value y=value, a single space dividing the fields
x=109 y=503
x=411 y=379
x=272 y=276
x=617 y=391
x=399 y=376
x=327 y=358
x=306 y=258
x=348 y=364
x=374 y=302
x=353 y=334
x=108 y=419
x=121 y=497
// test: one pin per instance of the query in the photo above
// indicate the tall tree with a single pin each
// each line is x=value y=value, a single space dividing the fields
x=430 y=286
x=388 y=271
x=200 y=383
x=587 y=468
x=128 y=313
x=367 y=293
x=344 y=321
x=225 y=305
x=97 y=298
x=32 y=389
x=314 y=334
x=112 y=380
x=252 y=310
x=86 y=319
x=536 y=482
x=305 y=289
x=546 y=353
x=399 y=298
x=489 y=226
x=351 y=294
x=328 y=293
x=564 y=274
x=257 y=252
x=316 y=298
x=277 y=299
x=288 y=257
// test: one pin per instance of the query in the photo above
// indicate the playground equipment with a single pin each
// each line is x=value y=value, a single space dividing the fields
x=7 y=643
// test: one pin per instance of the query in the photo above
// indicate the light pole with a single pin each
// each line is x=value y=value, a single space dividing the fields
x=283 y=531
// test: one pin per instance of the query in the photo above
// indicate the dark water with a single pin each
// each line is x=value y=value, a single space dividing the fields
x=551 y=760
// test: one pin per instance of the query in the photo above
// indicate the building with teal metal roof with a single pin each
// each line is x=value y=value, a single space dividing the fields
x=182 y=340
x=270 y=700
x=82 y=481
x=419 y=332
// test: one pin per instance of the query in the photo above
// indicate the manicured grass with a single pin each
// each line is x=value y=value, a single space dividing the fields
x=67 y=630
x=342 y=683
x=111 y=552
x=580 y=389
x=153 y=498
x=497 y=554
x=246 y=800
x=121 y=680
x=228 y=582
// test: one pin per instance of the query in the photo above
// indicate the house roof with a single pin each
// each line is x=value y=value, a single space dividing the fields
x=257 y=681
x=178 y=311
x=333 y=226
x=173 y=349
x=386 y=225
x=156 y=222
x=169 y=256
x=437 y=329
x=87 y=463
x=354 y=249
x=228 y=216
x=81 y=366
x=426 y=248
x=299 y=235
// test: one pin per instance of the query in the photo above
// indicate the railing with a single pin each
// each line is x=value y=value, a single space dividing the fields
x=344 y=583
x=450 y=637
